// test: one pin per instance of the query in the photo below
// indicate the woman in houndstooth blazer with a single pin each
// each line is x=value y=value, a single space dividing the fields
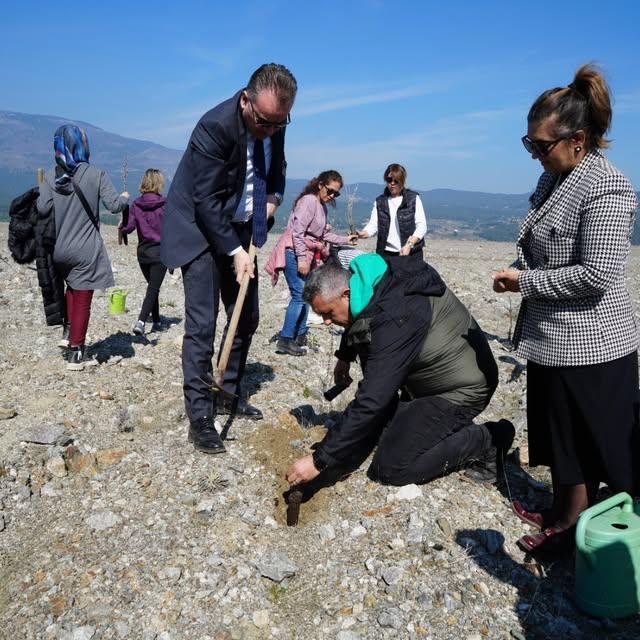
x=576 y=324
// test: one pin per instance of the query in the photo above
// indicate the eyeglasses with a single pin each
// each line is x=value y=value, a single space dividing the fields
x=332 y=193
x=263 y=122
x=390 y=180
x=541 y=148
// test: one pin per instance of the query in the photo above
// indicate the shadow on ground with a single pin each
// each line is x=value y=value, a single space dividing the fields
x=255 y=375
x=307 y=417
x=117 y=344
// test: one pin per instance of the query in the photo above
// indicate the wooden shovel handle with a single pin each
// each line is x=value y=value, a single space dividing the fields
x=235 y=318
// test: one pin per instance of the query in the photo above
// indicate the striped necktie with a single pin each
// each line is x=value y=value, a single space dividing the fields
x=259 y=195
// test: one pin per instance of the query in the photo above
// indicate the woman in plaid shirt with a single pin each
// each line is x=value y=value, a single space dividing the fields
x=576 y=325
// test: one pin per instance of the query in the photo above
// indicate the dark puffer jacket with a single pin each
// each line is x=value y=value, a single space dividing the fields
x=416 y=337
x=23 y=217
x=33 y=236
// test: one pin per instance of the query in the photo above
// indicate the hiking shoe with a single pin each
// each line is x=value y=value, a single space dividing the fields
x=157 y=326
x=64 y=341
x=302 y=340
x=138 y=328
x=289 y=347
x=489 y=468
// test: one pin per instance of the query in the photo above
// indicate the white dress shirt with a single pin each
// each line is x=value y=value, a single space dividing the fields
x=244 y=211
x=394 y=243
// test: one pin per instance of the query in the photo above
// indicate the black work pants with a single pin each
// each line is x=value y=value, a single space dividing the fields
x=206 y=279
x=153 y=273
x=427 y=438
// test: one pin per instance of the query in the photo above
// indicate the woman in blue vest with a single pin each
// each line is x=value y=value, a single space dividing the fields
x=398 y=219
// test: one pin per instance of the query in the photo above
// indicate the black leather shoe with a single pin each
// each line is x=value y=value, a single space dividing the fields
x=239 y=408
x=203 y=434
x=489 y=468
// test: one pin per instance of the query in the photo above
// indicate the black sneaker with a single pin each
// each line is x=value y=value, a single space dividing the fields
x=289 y=347
x=75 y=358
x=78 y=360
x=302 y=340
x=203 y=434
x=489 y=468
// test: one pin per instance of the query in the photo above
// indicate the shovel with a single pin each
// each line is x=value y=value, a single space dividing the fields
x=293 y=499
x=231 y=331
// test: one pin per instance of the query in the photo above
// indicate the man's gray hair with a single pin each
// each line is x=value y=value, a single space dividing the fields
x=327 y=282
x=276 y=78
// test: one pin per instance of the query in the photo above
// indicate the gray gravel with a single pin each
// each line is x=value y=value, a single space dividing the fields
x=112 y=526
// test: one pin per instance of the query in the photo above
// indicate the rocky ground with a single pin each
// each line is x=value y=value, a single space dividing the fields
x=111 y=526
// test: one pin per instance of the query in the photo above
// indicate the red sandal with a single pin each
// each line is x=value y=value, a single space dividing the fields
x=530 y=517
x=552 y=539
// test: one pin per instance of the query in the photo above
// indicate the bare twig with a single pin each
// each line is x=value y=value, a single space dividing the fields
x=125 y=172
x=510 y=319
x=351 y=198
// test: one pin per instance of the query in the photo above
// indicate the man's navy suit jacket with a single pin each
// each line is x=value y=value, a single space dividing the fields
x=208 y=184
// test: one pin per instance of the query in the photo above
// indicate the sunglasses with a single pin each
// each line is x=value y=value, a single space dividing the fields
x=541 y=148
x=263 y=122
x=390 y=180
x=332 y=193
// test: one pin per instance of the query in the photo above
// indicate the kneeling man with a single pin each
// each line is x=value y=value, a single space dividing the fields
x=427 y=372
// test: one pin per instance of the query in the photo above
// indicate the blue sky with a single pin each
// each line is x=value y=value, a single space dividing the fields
x=442 y=88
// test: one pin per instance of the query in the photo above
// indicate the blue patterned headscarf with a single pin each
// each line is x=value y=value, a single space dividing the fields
x=71 y=147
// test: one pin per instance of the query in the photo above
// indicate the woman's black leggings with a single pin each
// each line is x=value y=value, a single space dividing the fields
x=154 y=275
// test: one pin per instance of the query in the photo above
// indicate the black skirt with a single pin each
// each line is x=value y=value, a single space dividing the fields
x=583 y=422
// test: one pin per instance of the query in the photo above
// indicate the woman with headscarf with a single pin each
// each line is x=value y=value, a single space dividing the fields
x=73 y=189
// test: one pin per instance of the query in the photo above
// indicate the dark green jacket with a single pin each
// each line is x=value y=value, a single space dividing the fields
x=414 y=336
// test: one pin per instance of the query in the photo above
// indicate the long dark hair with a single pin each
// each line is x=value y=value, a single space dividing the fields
x=584 y=104
x=313 y=186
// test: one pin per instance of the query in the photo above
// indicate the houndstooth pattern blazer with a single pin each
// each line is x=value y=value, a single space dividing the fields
x=572 y=249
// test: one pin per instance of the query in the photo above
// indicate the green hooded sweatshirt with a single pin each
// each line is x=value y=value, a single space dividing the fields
x=368 y=270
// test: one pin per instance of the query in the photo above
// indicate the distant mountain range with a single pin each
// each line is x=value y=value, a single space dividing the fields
x=26 y=143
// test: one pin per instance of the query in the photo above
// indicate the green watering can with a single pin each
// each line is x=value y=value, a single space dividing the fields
x=117 y=301
x=608 y=558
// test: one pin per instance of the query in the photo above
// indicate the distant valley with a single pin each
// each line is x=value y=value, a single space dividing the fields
x=26 y=142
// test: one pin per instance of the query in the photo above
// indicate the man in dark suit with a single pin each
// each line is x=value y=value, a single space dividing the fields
x=227 y=186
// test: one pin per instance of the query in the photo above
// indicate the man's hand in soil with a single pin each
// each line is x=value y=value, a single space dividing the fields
x=302 y=471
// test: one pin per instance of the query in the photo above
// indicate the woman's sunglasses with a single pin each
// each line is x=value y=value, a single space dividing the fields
x=390 y=180
x=332 y=193
x=541 y=148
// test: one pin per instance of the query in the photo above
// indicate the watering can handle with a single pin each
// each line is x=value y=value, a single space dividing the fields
x=620 y=498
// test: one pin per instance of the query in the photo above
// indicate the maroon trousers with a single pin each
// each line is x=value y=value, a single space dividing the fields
x=78 y=304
